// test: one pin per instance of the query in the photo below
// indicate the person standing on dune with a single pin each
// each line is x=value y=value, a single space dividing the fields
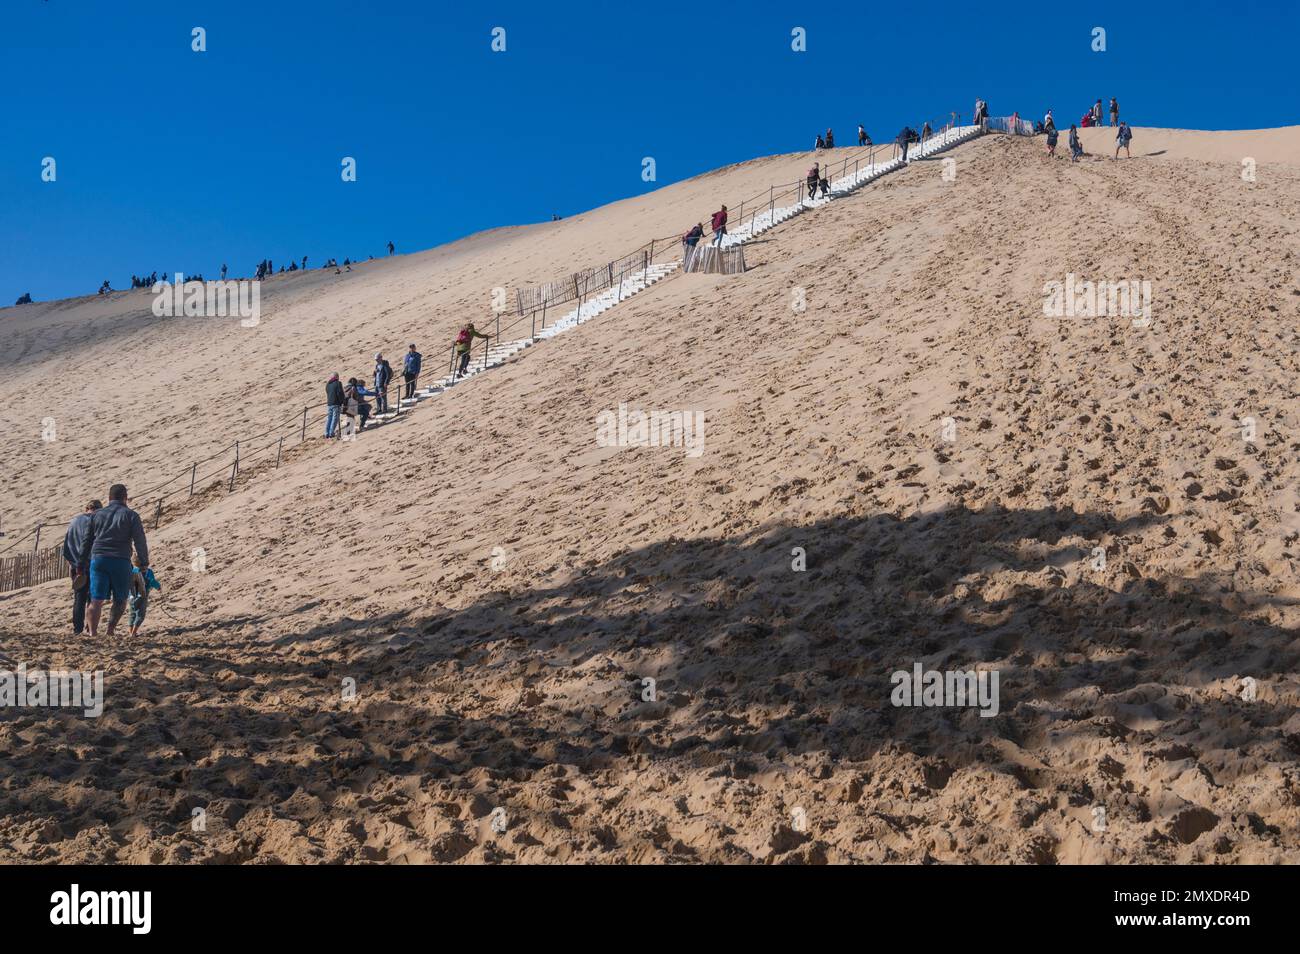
x=1076 y=149
x=383 y=377
x=1122 y=139
x=334 y=401
x=72 y=545
x=106 y=549
x=411 y=370
x=1114 y=111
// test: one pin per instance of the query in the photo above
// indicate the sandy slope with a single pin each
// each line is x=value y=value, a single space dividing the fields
x=498 y=585
x=179 y=390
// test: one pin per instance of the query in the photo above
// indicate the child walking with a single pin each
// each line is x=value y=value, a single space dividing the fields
x=142 y=581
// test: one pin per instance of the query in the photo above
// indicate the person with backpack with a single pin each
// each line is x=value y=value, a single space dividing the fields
x=1096 y=113
x=1114 y=111
x=825 y=183
x=719 y=223
x=383 y=377
x=464 y=343
x=411 y=370
x=830 y=139
x=814 y=174
x=1122 y=139
x=820 y=144
x=1052 y=137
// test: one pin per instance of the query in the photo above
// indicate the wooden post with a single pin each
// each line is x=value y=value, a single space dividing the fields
x=278 y=451
x=233 y=468
x=304 y=426
x=193 y=472
x=37 y=545
x=157 y=514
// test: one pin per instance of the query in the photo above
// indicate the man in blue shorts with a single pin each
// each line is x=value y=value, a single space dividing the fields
x=107 y=550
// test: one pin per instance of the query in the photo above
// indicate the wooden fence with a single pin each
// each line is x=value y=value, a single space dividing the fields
x=28 y=569
x=579 y=284
x=707 y=258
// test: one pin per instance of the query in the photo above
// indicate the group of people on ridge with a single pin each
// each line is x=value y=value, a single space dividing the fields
x=265 y=268
x=1123 y=134
x=828 y=141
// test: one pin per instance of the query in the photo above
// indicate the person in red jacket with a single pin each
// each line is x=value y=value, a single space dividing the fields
x=719 y=225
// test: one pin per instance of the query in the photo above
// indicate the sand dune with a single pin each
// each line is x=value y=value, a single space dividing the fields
x=1271 y=146
x=948 y=459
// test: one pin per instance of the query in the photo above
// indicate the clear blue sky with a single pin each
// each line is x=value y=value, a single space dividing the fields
x=170 y=159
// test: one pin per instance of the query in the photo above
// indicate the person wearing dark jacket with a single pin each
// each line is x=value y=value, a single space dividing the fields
x=106 y=549
x=905 y=138
x=411 y=370
x=1076 y=150
x=383 y=375
x=333 y=398
x=73 y=541
x=689 y=241
x=719 y=223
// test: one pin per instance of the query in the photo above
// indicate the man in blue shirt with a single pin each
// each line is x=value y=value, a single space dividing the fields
x=411 y=370
x=106 y=548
